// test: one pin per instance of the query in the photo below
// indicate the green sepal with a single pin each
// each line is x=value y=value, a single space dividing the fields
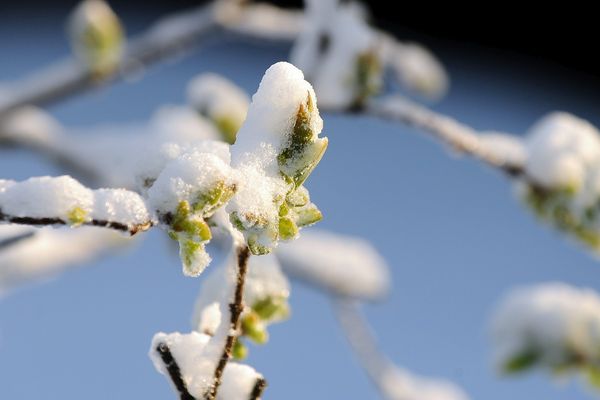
x=254 y=329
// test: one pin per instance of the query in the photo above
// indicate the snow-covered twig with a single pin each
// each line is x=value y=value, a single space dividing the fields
x=392 y=382
x=235 y=309
x=167 y=37
x=64 y=201
x=449 y=131
x=30 y=254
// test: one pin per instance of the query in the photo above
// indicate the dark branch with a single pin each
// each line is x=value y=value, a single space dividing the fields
x=45 y=221
x=259 y=388
x=235 y=307
x=4 y=243
x=174 y=372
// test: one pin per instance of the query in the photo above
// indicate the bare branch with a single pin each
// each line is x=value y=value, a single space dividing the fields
x=235 y=307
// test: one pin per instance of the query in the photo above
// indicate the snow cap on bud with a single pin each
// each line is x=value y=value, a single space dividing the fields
x=96 y=36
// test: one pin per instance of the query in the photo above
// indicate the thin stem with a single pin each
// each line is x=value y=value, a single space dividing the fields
x=362 y=341
x=235 y=308
x=132 y=229
x=460 y=137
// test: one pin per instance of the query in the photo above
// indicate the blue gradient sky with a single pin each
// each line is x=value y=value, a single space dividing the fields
x=451 y=230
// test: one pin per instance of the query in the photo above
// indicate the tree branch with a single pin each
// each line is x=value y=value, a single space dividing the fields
x=169 y=36
x=361 y=340
x=7 y=242
x=174 y=372
x=258 y=389
x=235 y=307
x=447 y=130
x=132 y=229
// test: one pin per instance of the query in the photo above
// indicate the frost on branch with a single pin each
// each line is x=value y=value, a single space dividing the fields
x=562 y=175
x=189 y=360
x=553 y=326
x=64 y=201
x=221 y=101
x=346 y=59
x=343 y=265
x=187 y=192
x=276 y=150
x=96 y=36
x=266 y=294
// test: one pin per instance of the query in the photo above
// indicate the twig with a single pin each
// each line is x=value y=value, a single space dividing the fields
x=174 y=371
x=169 y=36
x=361 y=340
x=258 y=389
x=458 y=136
x=132 y=229
x=4 y=243
x=235 y=308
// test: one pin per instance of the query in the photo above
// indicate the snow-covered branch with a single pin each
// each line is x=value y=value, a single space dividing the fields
x=167 y=37
x=504 y=152
x=553 y=326
x=340 y=265
x=64 y=201
x=392 y=382
x=29 y=254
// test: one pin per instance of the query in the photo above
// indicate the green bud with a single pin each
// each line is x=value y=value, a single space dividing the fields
x=521 y=362
x=287 y=228
x=254 y=329
x=368 y=78
x=255 y=247
x=272 y=307
x=211 y=200
x=76 y=216
x=239 y=351
x=228 y=127
x=304 y=150
x=308 y=215
x=97 y=36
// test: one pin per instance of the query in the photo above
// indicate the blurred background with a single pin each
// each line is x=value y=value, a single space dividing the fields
x=452 y=231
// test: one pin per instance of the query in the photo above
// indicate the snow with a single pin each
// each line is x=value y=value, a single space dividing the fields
x=197 y=362
x=272 y=114
x=555 y=323
x=65 y=198
x=264 y=280
x=276 y=149
x=220 y=100
x=20 y=262
x=343 y=265
x=415 y=67
x=506 y=149
x=187 y=178
x=563 y=151
x=130 y=155
x=333 y=71
x=31 y=126
x=399 y=384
